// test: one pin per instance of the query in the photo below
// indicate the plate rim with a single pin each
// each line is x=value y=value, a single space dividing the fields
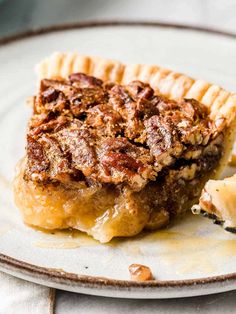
x=107 y=23
x=62 y=276
x=8 y=262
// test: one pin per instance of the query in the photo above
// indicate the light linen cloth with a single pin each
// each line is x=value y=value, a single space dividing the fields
x=19 y=296
x=71 y=303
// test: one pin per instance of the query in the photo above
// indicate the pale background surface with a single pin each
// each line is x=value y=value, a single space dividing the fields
x=20 y=15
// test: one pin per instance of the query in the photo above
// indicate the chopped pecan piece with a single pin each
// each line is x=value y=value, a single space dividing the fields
x=140 y=272
x=122 y=161
x=82 y=80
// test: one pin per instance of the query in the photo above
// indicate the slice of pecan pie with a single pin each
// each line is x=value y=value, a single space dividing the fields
x=113 y=149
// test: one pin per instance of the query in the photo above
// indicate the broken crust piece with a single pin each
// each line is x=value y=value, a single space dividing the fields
x=120 y=151
x=218 y=201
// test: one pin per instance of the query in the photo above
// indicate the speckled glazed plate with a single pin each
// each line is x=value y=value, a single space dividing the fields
x=193 y=257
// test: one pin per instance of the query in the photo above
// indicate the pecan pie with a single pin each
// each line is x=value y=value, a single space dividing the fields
x=114 y=149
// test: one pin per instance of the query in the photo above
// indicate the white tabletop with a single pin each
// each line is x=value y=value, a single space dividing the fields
x=21 y=15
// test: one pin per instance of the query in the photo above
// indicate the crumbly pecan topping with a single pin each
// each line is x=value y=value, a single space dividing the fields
x=82 y=129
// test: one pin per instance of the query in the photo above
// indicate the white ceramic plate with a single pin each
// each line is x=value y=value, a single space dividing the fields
x=193 y=257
